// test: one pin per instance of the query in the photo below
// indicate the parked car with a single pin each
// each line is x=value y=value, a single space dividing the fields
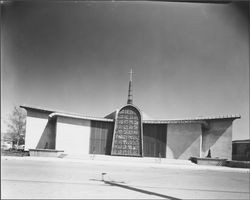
x=21 y=147
x=6 y=146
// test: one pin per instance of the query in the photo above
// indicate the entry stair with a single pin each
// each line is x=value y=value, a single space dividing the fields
x=124 y=159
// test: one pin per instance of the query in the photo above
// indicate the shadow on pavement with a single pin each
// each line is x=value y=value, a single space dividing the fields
x=113 y=183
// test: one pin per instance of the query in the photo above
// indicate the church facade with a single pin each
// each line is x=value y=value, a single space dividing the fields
x=127 y=132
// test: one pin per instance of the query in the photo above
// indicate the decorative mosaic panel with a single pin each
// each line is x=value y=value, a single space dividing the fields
x=127 y=138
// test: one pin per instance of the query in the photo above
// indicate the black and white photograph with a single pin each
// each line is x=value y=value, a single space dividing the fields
x=125 y=99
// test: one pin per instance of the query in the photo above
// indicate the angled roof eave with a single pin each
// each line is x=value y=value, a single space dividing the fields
x=191 y=120
x=54 y=113
x=172 y=121
x=57 y=114
x=37 y=108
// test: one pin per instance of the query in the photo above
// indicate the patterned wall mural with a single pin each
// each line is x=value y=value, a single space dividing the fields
x=127 y=138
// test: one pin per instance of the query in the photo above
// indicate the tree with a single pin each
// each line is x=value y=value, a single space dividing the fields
x=16 y=126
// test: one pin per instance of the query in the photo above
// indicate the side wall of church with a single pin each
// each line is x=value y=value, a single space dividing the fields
x=36 y=123
x=183 y=140
x=218 y=138
x=73 y=135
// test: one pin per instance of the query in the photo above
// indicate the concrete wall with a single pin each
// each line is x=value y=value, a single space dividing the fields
x=218 y=138
x=45 y=153
x=73 y=135
x=47 y=139
x=35 y=126
x=183 y=140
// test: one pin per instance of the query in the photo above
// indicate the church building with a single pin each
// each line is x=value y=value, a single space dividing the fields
x=128 y=132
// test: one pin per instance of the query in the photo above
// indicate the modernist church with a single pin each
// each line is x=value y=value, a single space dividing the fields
x=128 y=132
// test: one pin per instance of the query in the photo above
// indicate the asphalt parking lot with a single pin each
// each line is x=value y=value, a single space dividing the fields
x=28 y=178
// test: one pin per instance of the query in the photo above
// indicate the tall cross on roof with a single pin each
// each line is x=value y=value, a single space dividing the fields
x=131 y=74
x=130 y=96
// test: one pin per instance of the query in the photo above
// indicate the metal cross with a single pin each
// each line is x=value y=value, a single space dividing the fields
x=131 y=74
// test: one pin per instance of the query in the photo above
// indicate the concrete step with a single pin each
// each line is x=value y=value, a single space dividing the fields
x=128 y=159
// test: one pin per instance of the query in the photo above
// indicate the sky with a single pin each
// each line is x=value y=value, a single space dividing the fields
x=189 y=59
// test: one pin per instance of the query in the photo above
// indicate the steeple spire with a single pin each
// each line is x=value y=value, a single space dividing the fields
x=130 y=96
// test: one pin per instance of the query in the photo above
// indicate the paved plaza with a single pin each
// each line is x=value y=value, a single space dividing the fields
x=39 y=178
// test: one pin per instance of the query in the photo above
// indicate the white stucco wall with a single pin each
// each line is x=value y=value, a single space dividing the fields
x=73 y=138
x=34 y=129
x=218 y=139
x=183 y=140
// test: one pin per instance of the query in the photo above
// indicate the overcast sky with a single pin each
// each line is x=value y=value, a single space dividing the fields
x=189 y=59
